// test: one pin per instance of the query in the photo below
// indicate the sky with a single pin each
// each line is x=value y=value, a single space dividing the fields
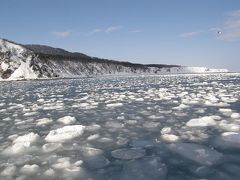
x=184 y=32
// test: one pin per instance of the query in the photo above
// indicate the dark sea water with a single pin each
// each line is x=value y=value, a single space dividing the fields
x=175 y=127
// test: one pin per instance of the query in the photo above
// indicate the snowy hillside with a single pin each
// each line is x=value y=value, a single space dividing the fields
x=36 y=61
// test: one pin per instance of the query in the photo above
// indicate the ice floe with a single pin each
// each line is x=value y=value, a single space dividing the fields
x=65 y=133
x=196 y=153
x=67 y=120
x=201 y=122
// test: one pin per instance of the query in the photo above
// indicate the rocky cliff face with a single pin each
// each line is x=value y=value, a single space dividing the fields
x=36 y=61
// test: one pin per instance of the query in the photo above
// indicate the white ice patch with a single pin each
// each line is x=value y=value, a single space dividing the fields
x=30 y=169
x=181 y=106
x=9 y=171
x=196 y=153
x=201 y=122
x=114 y=105
x=31 y=138
x=170 y=138
x=22 y=144
x=235 y=115
x=49 y=172
x=44 y=121
x=166 y=130
x=65 y=133
x=67 y=120
x=93 y=127
x=229 y=127
x=50 y=147
x=62 y=163
x=93 y=137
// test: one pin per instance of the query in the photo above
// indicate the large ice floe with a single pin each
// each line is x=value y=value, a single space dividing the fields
x=166 y=127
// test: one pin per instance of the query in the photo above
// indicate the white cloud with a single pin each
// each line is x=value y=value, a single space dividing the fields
x=106 y=30
x=136 y=31
x=190 y=34
x=96 y=31
x=231 y=28
x=62 y=34
x=112 y=29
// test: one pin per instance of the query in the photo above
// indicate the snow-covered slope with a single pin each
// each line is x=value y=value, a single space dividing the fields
x=35 y=61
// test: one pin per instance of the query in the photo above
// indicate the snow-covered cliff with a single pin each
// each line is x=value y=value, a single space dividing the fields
x=35 y=61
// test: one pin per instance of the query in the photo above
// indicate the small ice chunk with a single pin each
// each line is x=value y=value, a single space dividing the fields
x=114 y=105
x=67 y=120
x=181 y=106
x=50 y=147
x=9 y=171
x=30 y=169
x=65 y=133
x=93 y=127
x=49 y=172
x=131 y=122
x=166 y=130
x=22 y=144
x=235 y=115
x=127 y=154
x=18 y=148
x=30 y=137
x=225 y=110
x=93 y=137
x=201 y=122
x=12 y=137
x=62 y=163
x=170 y=138
x=78 y=163
x=229 y=127
x=44 y=121
x=195 y=152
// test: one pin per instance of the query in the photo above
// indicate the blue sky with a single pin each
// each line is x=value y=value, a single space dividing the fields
x=145 y=31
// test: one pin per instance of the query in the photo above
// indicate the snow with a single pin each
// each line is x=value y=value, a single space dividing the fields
x=21 y=59
x=65 y=133
x=201 y=122
x=127 y=154
x=24 y=71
